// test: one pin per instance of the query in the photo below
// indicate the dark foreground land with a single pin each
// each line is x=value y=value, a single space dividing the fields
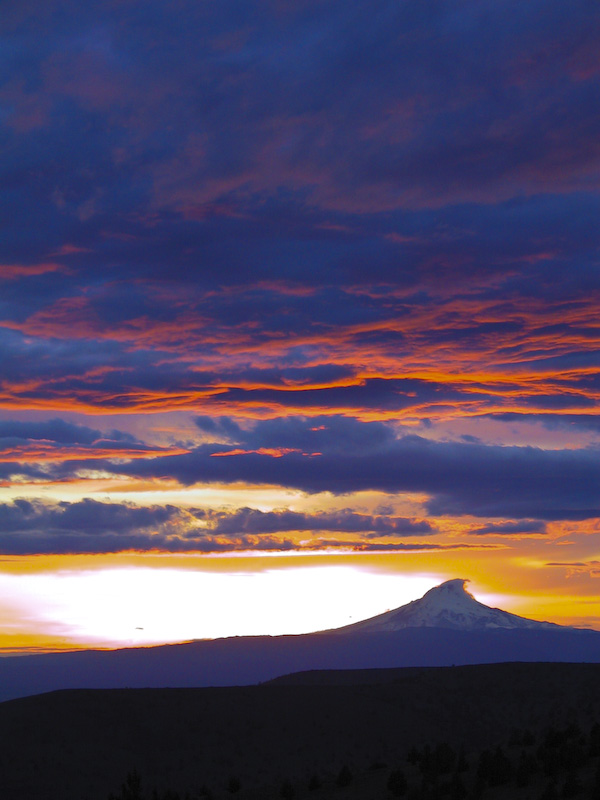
x=490 y=731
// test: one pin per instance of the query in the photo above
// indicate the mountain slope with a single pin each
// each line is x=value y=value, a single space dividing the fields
x=448 y=605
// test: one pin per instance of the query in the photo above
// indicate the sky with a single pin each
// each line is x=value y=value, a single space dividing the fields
x=298 y=313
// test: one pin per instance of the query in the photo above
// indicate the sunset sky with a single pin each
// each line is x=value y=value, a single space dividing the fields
x=299 y=313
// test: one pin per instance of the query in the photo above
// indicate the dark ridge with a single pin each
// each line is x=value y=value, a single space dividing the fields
x=80 y=744
x=362 y=677
x=250 y=660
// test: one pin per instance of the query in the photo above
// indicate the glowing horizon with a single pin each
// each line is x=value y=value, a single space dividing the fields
x=138 y=600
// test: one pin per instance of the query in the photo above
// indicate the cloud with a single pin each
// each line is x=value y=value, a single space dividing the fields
x=254 y=521
x=342 y=455
x=459 y=478
x=590 y=568
x=86 y=516
x=389 y=109
x=11 y=272
x=398 y=547
x=586 y=422
x=526 y=526
x=355 y=349
x=59 y=431
x=26 y=443
x=332 y=434
x=37 y=526
x=358 y=217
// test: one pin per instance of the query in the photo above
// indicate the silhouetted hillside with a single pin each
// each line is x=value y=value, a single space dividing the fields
x=244 y=660
x=80 y=745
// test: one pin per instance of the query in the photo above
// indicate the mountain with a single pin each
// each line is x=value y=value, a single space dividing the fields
x=448 y=605
x=445 y=627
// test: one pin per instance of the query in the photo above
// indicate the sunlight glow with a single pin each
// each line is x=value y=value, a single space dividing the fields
x=129 y=606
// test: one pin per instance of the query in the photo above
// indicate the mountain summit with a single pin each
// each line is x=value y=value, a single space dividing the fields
x=448 y=605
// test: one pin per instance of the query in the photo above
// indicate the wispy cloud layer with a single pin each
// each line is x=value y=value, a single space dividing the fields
x=335 y=249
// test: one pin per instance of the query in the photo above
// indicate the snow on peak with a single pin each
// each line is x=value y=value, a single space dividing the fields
x=448 y=605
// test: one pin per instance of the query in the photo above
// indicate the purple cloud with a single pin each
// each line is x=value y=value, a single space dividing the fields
x=254 y=521
x=460 y=478
x=529 y=526
x=87 y=526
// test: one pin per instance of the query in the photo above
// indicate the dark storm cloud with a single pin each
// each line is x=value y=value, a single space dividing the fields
x=502 y=528
x=87 y=516
x=331 y=434
x=87 y=526
x=584 y=422
x=460 y=478
x=322 y=111
x=29 y=449
x=254 y=521
x=541 y=246
x=58 y=431
x=84 y=527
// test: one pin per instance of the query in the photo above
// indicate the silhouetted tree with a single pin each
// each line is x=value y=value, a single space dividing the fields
x=483 y=766
x=501 y=768
x=554 y=737
x=516 y=738
x=572 y=786
x=425 y=760
x=526 y=767
x=397 y=783
x=314 y=783
x=480 y=785
x=549 y=792
x=594 y=748
x=528 y=739
x=462 y=765
x=131 y=789
x=547 y=756
x=494 y=768
x=443 y=759
x=457 y=789
x=594 y=793
x=575 y=754
x=344 y=777
x=234 y=785
x=287 y=791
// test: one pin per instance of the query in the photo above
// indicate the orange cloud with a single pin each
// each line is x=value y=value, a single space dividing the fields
x=10 y=272
x=274 y=452
x=495 y=357
x=38 y=452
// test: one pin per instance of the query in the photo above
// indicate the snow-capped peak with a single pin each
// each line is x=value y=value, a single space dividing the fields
x=448 y=605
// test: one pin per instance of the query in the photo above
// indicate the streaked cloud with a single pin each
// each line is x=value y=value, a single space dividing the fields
x=340 y=260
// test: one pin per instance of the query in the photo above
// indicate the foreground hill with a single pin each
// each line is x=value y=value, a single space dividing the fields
x=80 y=745
x=446 y=627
